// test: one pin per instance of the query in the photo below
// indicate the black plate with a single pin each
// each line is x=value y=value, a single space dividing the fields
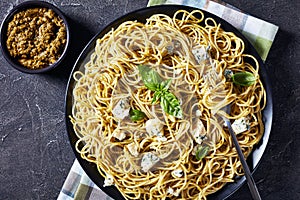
x=141 y=15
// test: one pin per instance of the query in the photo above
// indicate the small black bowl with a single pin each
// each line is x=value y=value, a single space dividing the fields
x=3 y=35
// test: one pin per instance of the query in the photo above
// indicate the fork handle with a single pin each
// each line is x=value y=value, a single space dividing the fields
x=251 y=183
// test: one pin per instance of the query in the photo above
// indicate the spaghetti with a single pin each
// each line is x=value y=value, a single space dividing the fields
x=156 y=157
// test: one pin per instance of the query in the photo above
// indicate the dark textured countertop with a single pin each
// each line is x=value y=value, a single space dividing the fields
x=35 y=154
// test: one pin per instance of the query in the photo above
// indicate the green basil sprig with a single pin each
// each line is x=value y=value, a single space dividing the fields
x=170 y=104
x=202 y=152
x=136 y=115
x=168 y=101
x=151 y=78
x=162 y=90
x=243 y=78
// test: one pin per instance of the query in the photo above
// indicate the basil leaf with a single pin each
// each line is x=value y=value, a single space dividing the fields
x=243 y=78
x=136 y=115
x=154 y=82
x=170 y=104
x=202 y=152
x=165 y=84
x=151 y=78
x=156 y=96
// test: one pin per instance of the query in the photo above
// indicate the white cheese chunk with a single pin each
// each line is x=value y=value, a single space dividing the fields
x=172 y=192
x=177 y=71
x=148 y=161
x=133 y=149
x=178 y=173
x=225 y=124
x=198 y=131
x=120 y=135
x=162 y=138
x=240 y=125
x=121 y=110
x=155 y=128
x=109 y=181
x=200 y=54
x=198 y=113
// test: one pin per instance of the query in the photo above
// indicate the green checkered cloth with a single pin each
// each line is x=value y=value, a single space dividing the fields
x=260 y=33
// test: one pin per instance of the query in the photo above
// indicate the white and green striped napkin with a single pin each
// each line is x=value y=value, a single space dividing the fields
x=260 y=33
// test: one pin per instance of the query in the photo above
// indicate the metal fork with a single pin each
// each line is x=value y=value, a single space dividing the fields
x=251 y=183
